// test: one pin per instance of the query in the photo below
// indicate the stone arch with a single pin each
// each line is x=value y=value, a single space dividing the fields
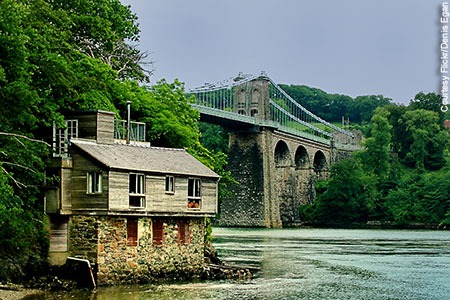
x=320 y=161
x=301 y=157
x=282 y=155
x=253 y=112
x=242 y=112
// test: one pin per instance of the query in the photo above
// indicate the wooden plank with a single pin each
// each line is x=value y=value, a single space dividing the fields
x=80 y=199
x=119 y=190
x=58 y=236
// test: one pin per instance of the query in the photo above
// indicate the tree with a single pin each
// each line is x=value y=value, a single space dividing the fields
x=104 y=30
x=45 y=71
x=426 y=139
x=420 y=197
x=430 y=101
x=348 y=196
x=375 y=156
x=214 y=137
x=362 y=108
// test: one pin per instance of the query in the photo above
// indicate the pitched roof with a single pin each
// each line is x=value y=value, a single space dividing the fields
x=145 y=158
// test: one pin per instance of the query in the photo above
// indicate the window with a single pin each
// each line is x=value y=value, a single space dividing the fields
x=170 y=185
x=194 y=193
x=132 y=232
x=183 y=232
x=157 y=232
x=61 y=137
x=137 y=190
x=94 y=182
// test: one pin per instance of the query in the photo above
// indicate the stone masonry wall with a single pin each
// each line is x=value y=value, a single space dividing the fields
x=83 y=239
x=245 y=205
x=119 y=262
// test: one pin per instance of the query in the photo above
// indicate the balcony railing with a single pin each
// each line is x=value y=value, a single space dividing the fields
x=137 y=130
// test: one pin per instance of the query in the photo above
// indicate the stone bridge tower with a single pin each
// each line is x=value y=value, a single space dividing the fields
x=275 y=171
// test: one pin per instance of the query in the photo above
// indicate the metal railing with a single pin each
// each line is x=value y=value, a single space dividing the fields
x=137 y=130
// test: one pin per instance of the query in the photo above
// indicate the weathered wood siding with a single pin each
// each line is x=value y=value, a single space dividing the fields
x=160 y=201
x=156 y=198
x=209 y=196
x=66 y=189
x=96 y=126
x=58 y=234
x=118 y=191
x=105 y=127
x=81 y=200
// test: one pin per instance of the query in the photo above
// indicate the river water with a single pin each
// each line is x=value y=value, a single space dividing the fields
x=314 y=264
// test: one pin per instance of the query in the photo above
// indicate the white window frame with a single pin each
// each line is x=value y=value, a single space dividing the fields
x=170 y=184
x=194 y=199
x=138 y=191
x=94 y=181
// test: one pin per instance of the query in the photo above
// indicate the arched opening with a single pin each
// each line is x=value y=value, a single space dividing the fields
x=282 y=156
x=253 y=112
x=301 y=158
x=320 y=161
x=242 y=112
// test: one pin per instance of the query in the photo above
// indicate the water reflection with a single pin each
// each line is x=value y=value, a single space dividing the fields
x=314 y=264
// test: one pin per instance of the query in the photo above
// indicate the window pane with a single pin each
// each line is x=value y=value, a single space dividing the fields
x=141 y=184
x=98 y=186
x=132 y=183
x=197 y=188
x=170 y=184
x=191 y=187
x=136 y=201
x=89 y=183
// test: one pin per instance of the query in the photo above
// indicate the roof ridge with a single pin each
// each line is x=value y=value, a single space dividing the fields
x=148 y=147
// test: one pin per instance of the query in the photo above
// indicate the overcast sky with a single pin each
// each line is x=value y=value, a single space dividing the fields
x=352 y=47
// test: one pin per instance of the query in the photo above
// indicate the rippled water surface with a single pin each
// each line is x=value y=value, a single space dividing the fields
x=315 y=264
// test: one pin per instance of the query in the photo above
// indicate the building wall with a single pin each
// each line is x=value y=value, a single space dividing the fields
x=121 y=263
x=157 y=200
x=79 y=198
x=83 y=237
x=103 y=241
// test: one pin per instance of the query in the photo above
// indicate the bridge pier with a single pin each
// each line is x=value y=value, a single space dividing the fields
x=250 y=202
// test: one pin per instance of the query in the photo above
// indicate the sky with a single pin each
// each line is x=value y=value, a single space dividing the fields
x=351 y=47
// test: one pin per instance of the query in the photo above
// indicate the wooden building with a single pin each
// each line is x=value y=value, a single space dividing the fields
x=134 y=211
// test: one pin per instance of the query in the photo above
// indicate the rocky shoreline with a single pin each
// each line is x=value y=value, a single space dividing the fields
x=56 y=281
x=17 y=292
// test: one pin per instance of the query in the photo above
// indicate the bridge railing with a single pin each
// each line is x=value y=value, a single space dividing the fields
x=285 y=113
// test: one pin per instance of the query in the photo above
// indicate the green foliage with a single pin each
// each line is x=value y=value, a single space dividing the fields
x=426 y=139
x=214 y=137
x=400 y=176
x=46 y=69
x=23 y=245
x=376 y=158
x=348 y=196
x=332 y=107
x=420 y=197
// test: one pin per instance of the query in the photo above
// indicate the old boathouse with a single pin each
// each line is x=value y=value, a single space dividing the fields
x=135 y=212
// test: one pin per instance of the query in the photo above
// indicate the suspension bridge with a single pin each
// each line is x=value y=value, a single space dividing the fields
x=228 y=102
x=278 y=149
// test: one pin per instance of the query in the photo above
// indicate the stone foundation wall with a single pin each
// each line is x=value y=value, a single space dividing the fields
x=83 y=239
x=119 y=262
